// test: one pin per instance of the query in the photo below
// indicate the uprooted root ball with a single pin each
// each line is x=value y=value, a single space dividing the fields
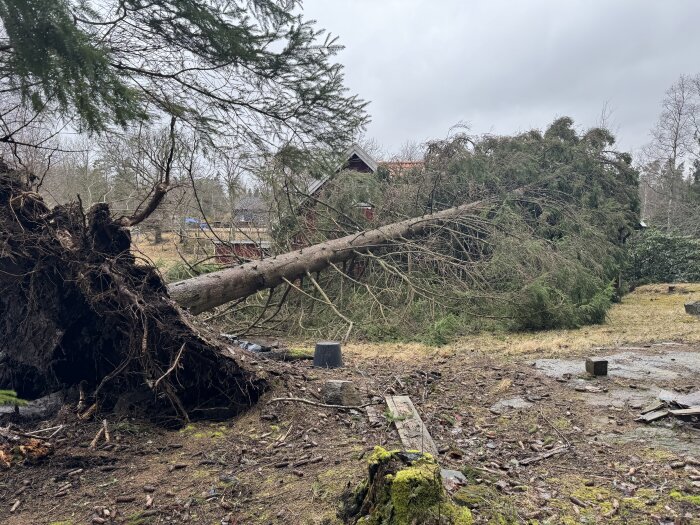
x=76 y=309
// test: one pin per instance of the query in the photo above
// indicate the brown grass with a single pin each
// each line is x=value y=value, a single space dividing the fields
x=163 y=255
x=648 y=315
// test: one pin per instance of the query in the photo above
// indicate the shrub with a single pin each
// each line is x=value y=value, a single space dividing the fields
x=660 y=257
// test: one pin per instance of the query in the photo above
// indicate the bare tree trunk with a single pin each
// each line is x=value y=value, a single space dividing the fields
x=205 y=292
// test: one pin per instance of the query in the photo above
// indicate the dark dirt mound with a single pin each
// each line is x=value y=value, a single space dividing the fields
x=76 y=309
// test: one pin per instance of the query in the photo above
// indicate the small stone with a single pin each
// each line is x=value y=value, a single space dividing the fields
x=692 y=308
x=339 y=392
x=452 y=479
x=677 y=464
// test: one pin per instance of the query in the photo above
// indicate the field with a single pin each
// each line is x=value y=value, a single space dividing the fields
x=488 y=404
x=198 y=246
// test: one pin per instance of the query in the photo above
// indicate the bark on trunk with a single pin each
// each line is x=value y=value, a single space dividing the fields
x=202 y=293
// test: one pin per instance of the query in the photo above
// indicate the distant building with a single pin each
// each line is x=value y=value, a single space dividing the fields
x=354 y=159
x=237 y=250
x=357 y=159
x=251 y=212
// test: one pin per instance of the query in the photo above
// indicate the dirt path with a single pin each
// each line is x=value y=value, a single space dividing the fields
x=489 y=414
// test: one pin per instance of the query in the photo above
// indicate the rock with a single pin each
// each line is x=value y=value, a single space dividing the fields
x=339 y=392
x=514 y=403
x=452 y=479
x=692 y=308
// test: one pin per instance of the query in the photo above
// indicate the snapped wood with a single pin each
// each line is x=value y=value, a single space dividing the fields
x=412 y=431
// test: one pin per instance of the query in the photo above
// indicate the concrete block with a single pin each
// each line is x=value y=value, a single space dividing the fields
x=597 y=367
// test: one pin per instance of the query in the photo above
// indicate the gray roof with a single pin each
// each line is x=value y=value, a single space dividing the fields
x=251 y=208
x=354 y=150
x=251 y=203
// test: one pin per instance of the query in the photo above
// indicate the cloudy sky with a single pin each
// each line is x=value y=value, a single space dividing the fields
x=504 y=66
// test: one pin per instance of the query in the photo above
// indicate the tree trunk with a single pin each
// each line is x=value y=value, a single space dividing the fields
x=158 y=233
x=204 y=292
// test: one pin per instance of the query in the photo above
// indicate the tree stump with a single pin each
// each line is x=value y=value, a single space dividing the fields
x=692 y=308
x=403 y=488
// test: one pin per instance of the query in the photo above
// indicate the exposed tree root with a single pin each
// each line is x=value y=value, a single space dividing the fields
x=76 y=309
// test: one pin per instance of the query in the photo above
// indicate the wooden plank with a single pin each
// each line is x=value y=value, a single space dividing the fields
x=692 y=411
x=654 y=407
x=653 y=416
x=412 y=431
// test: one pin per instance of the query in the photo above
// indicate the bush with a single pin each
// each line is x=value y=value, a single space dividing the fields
x=660 y=257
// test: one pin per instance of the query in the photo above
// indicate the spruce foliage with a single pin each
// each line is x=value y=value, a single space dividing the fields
x=253 y=71
x=9 y=397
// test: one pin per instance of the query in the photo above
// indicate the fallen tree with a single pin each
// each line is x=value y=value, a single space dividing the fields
x=204 y=292
x=77 y=310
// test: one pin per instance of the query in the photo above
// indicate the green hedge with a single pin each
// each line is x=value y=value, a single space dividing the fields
x=660 y=257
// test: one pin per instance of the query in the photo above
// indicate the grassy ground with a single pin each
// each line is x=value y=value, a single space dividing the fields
x=171 y=251
x=289 y=463
x=648 y=315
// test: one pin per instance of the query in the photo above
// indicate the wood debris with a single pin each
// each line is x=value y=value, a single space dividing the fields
x=412 y=431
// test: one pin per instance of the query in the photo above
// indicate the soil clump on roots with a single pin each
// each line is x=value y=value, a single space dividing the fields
x=78 y=312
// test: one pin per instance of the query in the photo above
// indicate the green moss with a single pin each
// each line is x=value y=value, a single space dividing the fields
x=473 y=495
x=562 y=423
x=407 y=488
x=138 y=519
x=448 y=419
x=300 y=353
x=414 y=490
x=493 y=506
x=685 y=498
x=67 y=522
x=380 y=455
x=658 y=454
x=592 y=495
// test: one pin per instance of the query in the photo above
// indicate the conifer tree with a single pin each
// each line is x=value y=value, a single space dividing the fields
x=251 y=71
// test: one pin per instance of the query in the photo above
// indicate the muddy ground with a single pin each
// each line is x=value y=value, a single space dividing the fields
x=288 y=463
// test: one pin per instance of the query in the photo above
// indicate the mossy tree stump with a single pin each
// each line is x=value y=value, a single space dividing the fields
x=403 y=488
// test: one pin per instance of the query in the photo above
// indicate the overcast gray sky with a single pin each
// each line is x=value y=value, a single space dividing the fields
x=505 y=66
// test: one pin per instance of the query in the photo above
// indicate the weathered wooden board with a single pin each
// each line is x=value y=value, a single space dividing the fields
x=653 y=416
x=653 y=407
x=692 y=411
x=412 y=431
